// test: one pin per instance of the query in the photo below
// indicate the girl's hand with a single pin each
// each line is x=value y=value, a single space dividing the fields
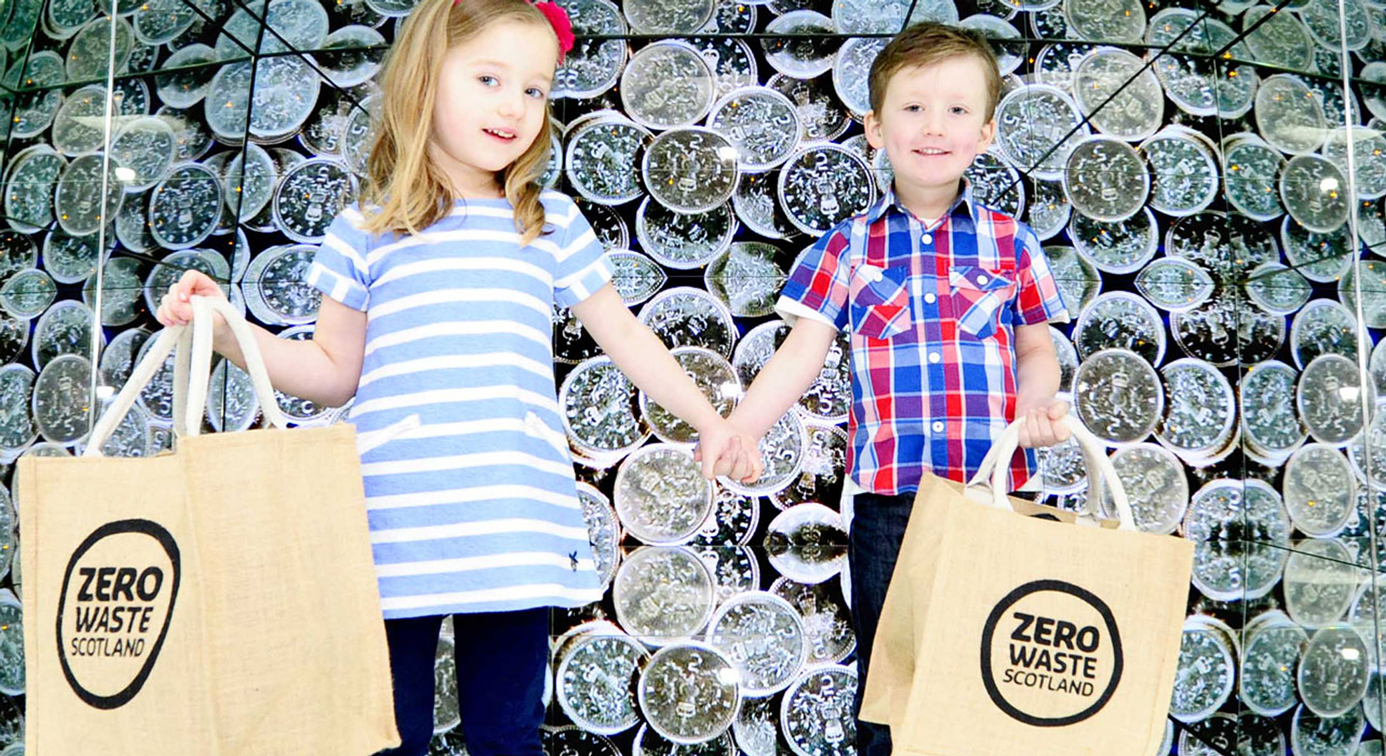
x=176 y=306
x=1042 y=426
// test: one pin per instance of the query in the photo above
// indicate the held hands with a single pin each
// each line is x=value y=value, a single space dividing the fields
x=724 y=451
x=176 y=307
x=1041 y=425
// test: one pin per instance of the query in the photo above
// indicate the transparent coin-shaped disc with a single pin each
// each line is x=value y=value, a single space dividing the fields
x=11 y=644
x=1240 y=532
x=1251 y=177
x=660 y=496
x=595 y=682
x=747 y=277
x=1105 y=179
x=1117 y=395
x=667 y=84
x=62 y=398
x=1320 y=582
x=663 y=594
x=1320 y=490
x=1333 y=671
x=1287 y=114
x=764 y=638
x=1174 y=284
x=762 y=125
x=1269 y=418
x=1269 y=664
x=1031 y=121
x=1206 y=673
x=690 y=170
x=1155 y=485
x=603 y=160
x=1137 y=103
x=807 y=543
x=713 y=375
x=668 y=16
x=816 y=712
x=689 y=693
x=822 y=185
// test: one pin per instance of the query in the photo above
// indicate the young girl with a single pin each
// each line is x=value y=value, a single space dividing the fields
x=437 y=297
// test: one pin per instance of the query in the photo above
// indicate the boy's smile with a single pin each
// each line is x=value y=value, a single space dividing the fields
x=932 y=124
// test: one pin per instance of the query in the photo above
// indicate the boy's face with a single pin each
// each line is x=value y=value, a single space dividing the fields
x=932 y=123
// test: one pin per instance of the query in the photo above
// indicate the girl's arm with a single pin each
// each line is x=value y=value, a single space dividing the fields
x=325 y=370
x=644 y=359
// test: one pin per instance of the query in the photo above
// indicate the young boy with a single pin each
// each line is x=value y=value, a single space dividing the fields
x=947 y=302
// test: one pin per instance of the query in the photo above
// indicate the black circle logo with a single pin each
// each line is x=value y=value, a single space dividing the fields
x=1051 y=654
x=114 y=611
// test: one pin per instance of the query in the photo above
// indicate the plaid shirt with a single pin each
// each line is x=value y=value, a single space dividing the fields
x=931 y=311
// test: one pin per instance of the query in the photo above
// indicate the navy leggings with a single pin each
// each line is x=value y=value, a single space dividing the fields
x=502 y=658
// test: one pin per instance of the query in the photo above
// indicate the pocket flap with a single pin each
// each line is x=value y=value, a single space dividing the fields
x=977 y=278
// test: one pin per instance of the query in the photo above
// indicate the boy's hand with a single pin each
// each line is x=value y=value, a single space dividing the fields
x=176 y=307
x=1042 y=427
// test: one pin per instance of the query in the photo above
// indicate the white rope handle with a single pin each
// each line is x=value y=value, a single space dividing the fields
x=191 y=373
x=1101 y=475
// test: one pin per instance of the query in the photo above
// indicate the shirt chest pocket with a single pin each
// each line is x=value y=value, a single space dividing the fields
x=979 y=296
x=880 y=301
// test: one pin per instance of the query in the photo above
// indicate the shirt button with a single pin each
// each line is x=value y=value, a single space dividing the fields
x=981 y=279
x=928 y=239
x=929 y=298
x=938 y=426
x=934 y=358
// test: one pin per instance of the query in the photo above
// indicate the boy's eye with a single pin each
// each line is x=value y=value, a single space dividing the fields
x=487 y=80
x=959 y=110
x=536 y=93
x=912 y=108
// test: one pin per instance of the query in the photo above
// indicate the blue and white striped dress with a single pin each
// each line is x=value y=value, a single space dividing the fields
x=477 y=509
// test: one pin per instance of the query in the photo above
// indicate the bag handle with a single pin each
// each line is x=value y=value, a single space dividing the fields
x=1101 y=474
x=191 y=374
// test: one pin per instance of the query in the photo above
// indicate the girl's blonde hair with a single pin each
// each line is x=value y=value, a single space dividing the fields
x=412 y=193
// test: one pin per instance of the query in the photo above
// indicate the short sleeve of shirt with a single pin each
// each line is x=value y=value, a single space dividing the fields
x=819 y=281
x=1037 y=297
x=582 y=267
x=339 y=268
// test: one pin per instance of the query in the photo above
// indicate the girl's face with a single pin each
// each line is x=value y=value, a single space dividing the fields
x=492 y=99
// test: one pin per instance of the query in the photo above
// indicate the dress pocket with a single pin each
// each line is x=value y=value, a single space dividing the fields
x=880 y=301
x=978 y=296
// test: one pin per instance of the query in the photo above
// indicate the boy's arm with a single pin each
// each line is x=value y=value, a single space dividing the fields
x=785 y=378
x=645 y=360
x=1037 y=380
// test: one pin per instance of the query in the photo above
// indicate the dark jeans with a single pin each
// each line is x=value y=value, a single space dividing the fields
x=878 y=529
x=502 y=659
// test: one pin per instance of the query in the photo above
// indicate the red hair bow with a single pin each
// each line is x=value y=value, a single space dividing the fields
x=558 y=19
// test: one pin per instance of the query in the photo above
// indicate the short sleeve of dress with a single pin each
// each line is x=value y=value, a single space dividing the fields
x=582 y=265
x=339 y=268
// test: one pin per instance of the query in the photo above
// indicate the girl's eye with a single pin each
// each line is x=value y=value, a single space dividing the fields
x=959 y=110
x=912 y=108
x=536 y=93
x=487 y=80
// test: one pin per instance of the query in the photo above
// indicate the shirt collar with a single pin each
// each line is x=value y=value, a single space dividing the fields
x=965 y=200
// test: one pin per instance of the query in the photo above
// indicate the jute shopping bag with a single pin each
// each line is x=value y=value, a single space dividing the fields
x=216 y=601
x=1010 y=634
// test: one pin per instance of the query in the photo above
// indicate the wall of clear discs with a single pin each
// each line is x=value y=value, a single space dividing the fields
x=1207 y=178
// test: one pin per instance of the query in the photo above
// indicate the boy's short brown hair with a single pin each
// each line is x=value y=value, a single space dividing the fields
x=926 y=44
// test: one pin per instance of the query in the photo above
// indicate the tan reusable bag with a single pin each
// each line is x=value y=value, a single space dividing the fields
x=216 y=601
x=1010 y=634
